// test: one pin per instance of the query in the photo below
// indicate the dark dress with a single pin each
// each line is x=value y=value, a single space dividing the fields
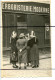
x=34 y=52
x=14 y=54
x=28 y=52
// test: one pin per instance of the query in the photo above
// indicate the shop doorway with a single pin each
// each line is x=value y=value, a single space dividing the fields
x=21 y=23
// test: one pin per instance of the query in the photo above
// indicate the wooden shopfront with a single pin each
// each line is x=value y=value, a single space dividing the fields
x=24 y=17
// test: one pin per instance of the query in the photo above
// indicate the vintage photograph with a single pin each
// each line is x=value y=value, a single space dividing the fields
x=26 y=39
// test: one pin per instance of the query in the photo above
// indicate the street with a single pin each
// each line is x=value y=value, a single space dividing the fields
x=44 y=69
x=43 y=64
x=44 y=61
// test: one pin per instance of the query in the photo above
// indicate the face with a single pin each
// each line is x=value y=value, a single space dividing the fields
x=14 y=34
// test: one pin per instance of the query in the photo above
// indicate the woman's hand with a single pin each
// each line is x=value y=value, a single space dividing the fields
x=20 y=50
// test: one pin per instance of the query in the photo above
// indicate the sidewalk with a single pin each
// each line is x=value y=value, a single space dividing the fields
x=44 y=64
x=44 y=61
x=44 y=69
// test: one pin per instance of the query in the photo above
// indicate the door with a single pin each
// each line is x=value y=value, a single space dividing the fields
x=21 y=23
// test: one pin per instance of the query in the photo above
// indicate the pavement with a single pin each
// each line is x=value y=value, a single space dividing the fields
x=44 y=69
x=43 y=64
x=44 y=61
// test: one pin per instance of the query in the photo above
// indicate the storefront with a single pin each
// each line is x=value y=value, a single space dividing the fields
x=24 y=17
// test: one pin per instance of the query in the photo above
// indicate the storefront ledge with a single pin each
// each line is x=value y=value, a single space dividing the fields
x=40 y=47
x=6 y=48
x=47 y=46
x=9 y=48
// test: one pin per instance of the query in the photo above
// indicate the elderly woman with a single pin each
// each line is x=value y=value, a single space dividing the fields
x=34 y=53
x=14 y=54
x=22 y=53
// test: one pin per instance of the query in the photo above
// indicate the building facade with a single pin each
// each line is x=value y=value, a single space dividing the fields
x=24 y=17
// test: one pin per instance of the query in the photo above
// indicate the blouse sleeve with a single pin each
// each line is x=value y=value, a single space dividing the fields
x=10 y=39
x=17 y=45
x=37 y=41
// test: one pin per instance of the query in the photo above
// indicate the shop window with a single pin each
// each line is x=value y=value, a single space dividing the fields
x=21 y=20
x=47 y=34
x=22 y=23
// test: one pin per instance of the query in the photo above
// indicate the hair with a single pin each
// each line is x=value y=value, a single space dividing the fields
x=12 y=33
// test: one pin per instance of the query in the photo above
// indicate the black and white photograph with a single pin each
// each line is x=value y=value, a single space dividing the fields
x=26 y=39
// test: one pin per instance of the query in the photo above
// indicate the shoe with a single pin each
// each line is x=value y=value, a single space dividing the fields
x=34 y=66
x=15 y=66
x=37 y=65
x=19 y=67
x=24 y=67
x=27 y=64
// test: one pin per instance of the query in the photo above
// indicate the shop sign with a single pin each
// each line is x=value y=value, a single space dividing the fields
x=25 y=8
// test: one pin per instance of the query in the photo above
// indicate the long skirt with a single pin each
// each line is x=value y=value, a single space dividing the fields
x=13 y=56
x=34 y=54
x=22 y=56
x=28 y=55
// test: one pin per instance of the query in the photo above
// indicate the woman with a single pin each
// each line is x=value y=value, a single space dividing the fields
x=28 y=49
x=14 y=54
x=22 y=52
x=34 y=53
